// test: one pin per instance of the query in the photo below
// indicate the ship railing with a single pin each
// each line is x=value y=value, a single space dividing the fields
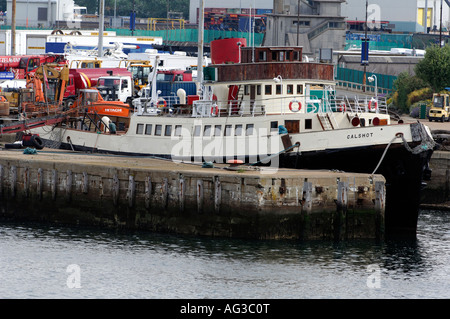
x=203 y=108
x=358 y=105
x=309 y=104
x=164 y=104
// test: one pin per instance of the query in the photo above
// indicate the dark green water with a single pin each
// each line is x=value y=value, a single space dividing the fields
x=39 y=261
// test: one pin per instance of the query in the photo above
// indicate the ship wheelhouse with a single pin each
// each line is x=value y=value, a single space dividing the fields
x=274 y=80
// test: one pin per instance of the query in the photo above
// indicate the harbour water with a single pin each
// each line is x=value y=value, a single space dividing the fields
x=48 y=261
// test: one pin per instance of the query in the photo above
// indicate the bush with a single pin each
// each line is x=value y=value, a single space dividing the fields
x=403 y=86
x=419 y=95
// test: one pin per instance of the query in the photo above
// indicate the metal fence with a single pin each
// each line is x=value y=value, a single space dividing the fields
x=353 y=80
x=191 y=35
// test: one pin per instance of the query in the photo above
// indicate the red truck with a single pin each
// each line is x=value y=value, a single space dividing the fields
x=22 y=65
x=174 y=75
x=87 y=78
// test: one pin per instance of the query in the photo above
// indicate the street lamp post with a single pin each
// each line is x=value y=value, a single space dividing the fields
x=374 y=100
x=372 y=78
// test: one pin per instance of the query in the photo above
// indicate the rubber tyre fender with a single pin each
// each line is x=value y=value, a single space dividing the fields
x=37 y=142
x=13 y=145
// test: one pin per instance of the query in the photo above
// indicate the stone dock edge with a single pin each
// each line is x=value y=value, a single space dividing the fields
x=140 y=193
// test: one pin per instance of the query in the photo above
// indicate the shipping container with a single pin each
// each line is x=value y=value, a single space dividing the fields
x=36 y=44
x=5 y=45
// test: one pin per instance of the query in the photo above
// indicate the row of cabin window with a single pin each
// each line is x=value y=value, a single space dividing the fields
x=207 y=130
x=292 y=126
x=280 y=56
x=278 y=89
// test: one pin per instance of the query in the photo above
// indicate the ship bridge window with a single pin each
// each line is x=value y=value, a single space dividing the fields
x=274 y=126
x=218 y=130
x=238 y=130
x=148 y=129
x=158 y=129
x=262 y=56
x=289 y=89
x=197 y=130
x=268 y=89
x=178 y=129
x=246 y=89
x=299 y=89
x=281 y=56
x=258 y=90
x=207 y=130
x=308 y=124
x=228 y=129
x=249 y=129
x=168 y=130
x=296 y=56
x=140 y=129
x=279 y=89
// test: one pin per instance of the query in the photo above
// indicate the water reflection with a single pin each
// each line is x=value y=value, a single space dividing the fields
x=117 y=264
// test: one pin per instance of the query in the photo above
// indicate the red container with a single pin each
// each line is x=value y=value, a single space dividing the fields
x=192 y=98
x=227 y=50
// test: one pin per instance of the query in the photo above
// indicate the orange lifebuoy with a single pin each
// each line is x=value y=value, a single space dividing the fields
x=342 y=107
x=299 y=106
x=373 y=106
x=235 y=162
x=161 y=103
x=215 y=110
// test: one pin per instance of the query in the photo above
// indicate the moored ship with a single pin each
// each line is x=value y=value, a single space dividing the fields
x=264 y=106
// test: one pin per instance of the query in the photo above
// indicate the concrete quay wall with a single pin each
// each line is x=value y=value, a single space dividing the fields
x=163 y=196
x=438 y=188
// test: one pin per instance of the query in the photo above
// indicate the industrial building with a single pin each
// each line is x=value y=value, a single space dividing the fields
x=42 y=13
x=319 y=25
x=314 y=25
x=230 y=6
x=400 y=15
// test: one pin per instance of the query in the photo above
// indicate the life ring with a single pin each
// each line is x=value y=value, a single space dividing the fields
x=373 y=105
x=215 y=110
x=298 y=108
x=342 y=107
x=161 y=103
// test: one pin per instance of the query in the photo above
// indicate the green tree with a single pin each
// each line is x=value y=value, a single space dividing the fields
x=403 y=86
x=434 y=68
x=143 y=8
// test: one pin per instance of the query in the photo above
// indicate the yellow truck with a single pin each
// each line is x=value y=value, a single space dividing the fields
x=440 y=108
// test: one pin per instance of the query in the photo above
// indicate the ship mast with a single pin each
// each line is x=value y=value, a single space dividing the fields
x=201 y=19
x=101 y=27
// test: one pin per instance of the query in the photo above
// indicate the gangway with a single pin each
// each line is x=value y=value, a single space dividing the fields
x=28 y=124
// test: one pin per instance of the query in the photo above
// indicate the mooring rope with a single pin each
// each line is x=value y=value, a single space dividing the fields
x=426 y=144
